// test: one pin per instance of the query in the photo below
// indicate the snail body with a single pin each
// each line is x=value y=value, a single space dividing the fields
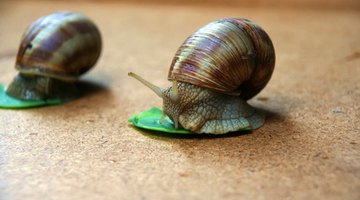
x=208 y=111
x=214 y=72
x=54 y=51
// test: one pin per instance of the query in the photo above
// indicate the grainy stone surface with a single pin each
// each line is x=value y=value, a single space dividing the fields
x=309 y=147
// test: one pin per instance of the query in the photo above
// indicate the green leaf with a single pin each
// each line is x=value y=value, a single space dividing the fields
x=10 y=102
x=150 y=119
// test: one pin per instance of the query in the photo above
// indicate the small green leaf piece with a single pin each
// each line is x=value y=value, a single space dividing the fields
x=150 y=119
x=10 y=102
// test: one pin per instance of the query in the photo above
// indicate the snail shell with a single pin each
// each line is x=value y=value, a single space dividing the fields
x=229 y=55
x=214 y=72
x=62 y=45
x=54 y=51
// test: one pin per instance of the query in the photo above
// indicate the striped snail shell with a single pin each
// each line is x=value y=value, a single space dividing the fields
x=54 y=51
x=230 y=55
x=214 y=72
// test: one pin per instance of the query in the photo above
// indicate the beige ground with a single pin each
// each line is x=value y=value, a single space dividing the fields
x=309 y=147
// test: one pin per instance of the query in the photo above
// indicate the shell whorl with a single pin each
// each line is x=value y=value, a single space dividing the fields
x=61 y=45
x=228 y=55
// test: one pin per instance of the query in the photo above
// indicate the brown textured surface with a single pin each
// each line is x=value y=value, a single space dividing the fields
x=309 y=147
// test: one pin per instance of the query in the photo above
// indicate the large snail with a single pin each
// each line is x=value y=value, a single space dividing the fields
x=214 y=72
x=54 y=51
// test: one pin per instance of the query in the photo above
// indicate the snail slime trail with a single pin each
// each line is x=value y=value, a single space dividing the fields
x=225 y=57
x=55 y=50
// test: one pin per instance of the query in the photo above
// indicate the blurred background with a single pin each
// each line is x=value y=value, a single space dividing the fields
x=329 y=4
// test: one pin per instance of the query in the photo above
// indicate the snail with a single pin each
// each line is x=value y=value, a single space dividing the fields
x=54 y=51
x=214 y=72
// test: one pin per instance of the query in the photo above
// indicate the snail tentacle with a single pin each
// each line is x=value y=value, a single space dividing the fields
x=157 y=90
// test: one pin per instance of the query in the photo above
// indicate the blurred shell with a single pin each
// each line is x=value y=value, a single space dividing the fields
x=228 y=55
x=61 y=45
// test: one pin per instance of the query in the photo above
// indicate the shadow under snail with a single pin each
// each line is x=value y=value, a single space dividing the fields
x=54 y=51
x=214 y=72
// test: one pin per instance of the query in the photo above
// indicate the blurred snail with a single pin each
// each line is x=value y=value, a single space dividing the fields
x=214 y=72
x=54 y=51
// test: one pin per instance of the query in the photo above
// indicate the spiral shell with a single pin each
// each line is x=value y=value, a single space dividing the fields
x=62 y=45
x=229 y=55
